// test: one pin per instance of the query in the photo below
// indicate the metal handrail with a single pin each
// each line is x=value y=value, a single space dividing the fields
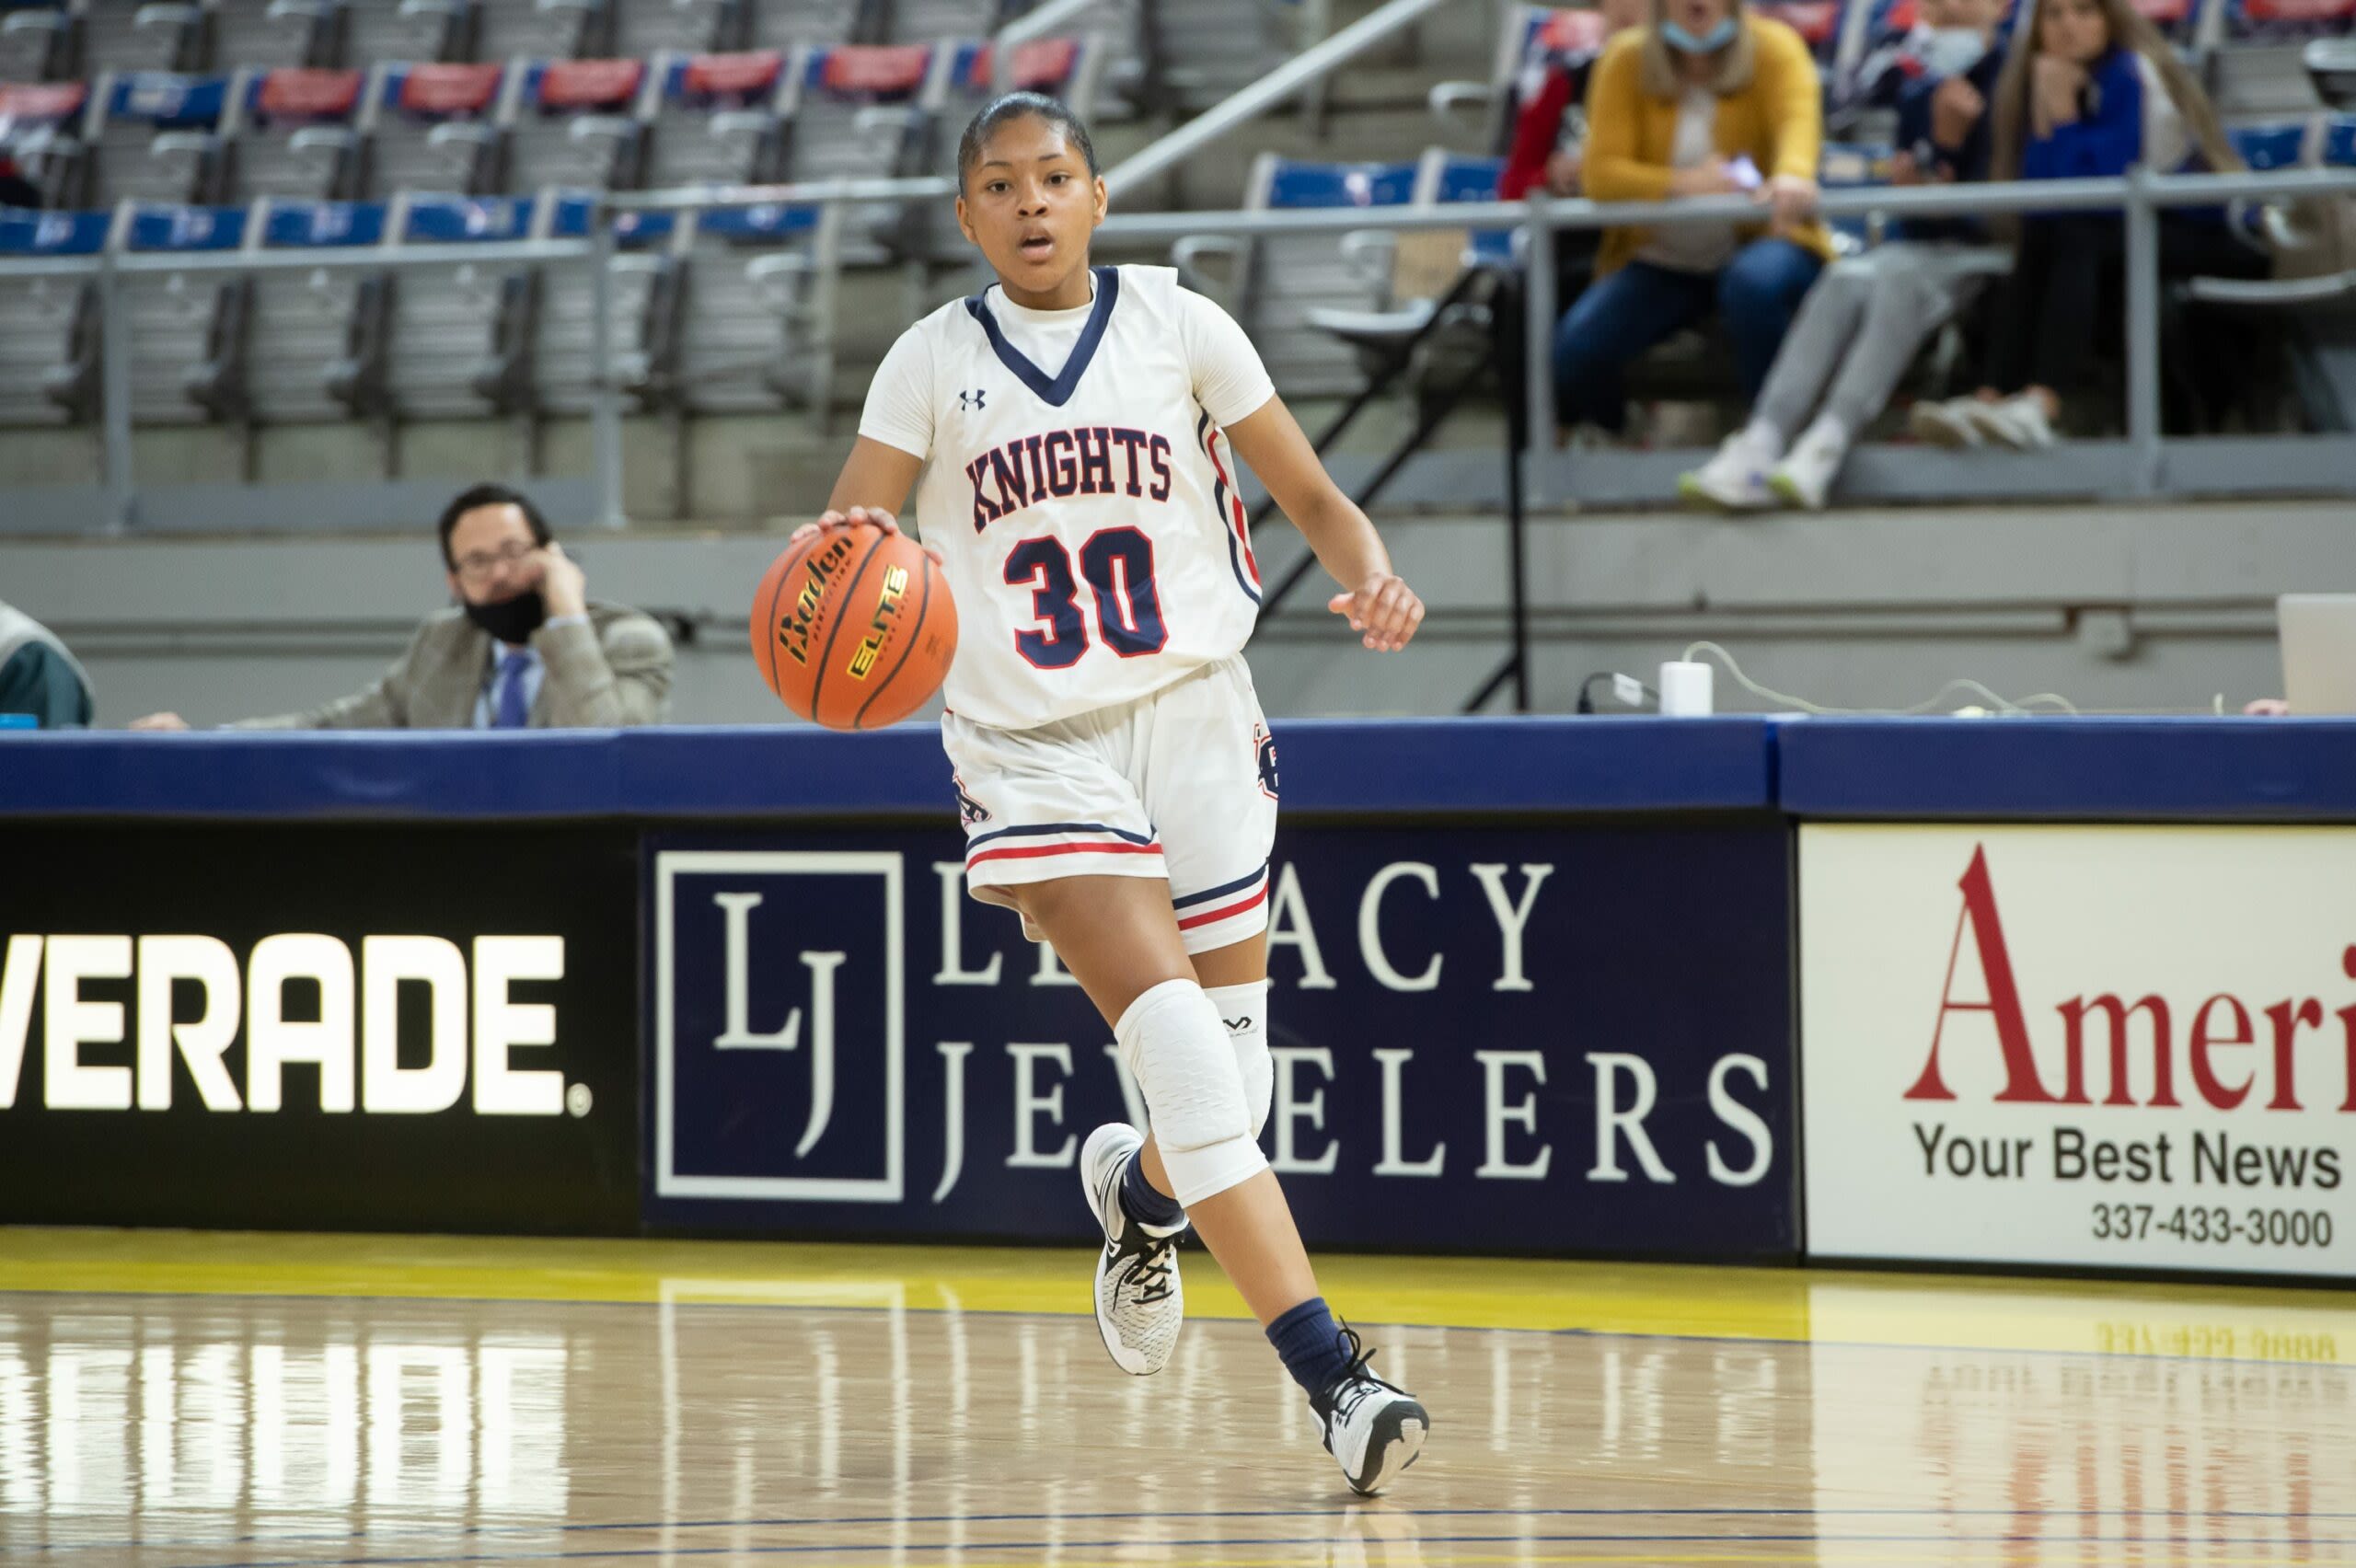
x=1038 y=23
x=2139 y=196
x=796 y=194
x=1311 y=64
x=1894 y=202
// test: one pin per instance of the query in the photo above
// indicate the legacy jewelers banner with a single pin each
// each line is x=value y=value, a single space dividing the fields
x=2127 y=1047
x=1540 y=1039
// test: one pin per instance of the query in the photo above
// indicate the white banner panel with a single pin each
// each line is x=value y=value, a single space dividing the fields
x=2128 y=1047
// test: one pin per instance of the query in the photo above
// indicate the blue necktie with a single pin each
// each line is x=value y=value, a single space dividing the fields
x=513 y=710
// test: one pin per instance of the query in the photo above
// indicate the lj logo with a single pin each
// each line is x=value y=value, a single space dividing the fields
x=738 y=1033
x=778 y=1070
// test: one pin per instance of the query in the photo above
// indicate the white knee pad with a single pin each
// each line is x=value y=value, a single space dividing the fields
x=1244 y=1010
x=1178 y=1050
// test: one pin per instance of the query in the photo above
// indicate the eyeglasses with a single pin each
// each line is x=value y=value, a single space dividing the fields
x=478 y=567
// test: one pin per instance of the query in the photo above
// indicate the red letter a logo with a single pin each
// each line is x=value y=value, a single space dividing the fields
x=2021 y=1082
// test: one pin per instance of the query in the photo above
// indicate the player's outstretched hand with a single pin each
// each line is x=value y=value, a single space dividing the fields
x=1385 y=612
x=852 y=519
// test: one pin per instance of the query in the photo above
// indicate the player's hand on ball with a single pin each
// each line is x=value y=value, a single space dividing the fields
x=1384 y=612
x=852 y=519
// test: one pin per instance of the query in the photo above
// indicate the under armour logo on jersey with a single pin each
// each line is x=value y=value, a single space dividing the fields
x=970 y=811
x=971 y=400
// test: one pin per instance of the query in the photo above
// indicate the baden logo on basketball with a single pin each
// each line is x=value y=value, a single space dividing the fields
x=793 y=631
x=887 y=608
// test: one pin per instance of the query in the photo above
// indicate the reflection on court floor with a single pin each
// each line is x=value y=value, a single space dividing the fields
x=194 y=1401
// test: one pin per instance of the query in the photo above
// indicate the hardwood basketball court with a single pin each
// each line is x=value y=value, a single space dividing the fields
x=184 y=1401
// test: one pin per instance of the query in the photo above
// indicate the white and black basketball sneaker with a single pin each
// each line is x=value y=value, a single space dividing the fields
x=1374 y=1429
x=1139 y=1304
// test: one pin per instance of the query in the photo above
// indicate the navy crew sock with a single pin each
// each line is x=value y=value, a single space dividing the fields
x=1312 y=1344
x=1142 y=1203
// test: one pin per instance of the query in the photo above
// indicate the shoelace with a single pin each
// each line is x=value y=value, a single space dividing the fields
x=1355 y=1381
x=1147 y=1274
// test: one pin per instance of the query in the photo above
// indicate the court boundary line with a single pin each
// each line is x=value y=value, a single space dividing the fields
x=1386 y=1510
x=1519 y=1539
x=1571 y=1330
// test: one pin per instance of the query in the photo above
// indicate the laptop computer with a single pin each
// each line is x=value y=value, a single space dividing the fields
x=2319 y=652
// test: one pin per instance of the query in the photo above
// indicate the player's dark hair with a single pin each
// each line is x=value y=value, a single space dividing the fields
x=467 y=500
x=1010 y=107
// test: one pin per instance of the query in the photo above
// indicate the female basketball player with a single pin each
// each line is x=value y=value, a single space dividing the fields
x=1074 y=426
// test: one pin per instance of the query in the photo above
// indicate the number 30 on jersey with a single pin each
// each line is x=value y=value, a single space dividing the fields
x=1118 y=564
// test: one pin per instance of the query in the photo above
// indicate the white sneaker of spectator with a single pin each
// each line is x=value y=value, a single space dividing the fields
x=1736 y=479
x=1947 y=423
x=1805 y=474
x=2018 y=421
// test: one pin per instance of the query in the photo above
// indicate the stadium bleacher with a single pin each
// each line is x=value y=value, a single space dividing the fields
x=269 y=127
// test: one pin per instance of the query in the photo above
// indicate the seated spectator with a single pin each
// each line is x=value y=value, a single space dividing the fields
x=39 y=675
x=523 y=648
x=2090 y=89
x=1550 y=131
x=1707 y=101
x=1865 y=319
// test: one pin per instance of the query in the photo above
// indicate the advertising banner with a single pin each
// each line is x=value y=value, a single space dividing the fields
x=2127 y=1047
x=419 y=1027
x=1544 y=1039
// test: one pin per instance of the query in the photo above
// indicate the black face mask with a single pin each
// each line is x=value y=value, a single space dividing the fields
x=510 y=620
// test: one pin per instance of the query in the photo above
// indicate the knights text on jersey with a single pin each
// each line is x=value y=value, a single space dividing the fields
x=1079 y=489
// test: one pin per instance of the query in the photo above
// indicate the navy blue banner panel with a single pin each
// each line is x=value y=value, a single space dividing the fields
x=1556 y=1039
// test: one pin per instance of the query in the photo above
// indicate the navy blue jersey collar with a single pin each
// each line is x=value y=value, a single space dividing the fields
x=1055 y=391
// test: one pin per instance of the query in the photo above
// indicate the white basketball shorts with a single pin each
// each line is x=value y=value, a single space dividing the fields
x=1180 y=784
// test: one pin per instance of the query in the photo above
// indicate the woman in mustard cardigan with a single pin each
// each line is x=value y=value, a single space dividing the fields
x=1707 y=101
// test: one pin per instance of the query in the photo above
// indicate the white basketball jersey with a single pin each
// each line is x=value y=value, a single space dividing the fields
x=1085 y=503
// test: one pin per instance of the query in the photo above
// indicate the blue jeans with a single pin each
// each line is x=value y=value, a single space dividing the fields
x=1625 y=312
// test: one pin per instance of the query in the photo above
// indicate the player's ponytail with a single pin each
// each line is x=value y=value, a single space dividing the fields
x=1010 y=107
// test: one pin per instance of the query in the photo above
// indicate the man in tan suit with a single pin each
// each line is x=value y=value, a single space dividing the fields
x=523 y=646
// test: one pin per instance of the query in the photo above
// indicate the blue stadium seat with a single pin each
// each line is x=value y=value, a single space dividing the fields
x=633 y=230
x=2282 y=21
x=1276 y=280
x=763 y=225
x=579 y=123
x=183 y=327
x=25 y=233
x=2337 y=147
x=1294 y=185
x=153 y=136
x=1446 y=177
x=867 y=112
x=49 y=327
x=312 y=337
x=317 y=225
x=464 y=220
x=2271 y=146
x=716 y=121
x=296 y=133
x=166 y=101
x=185 y=229
x=433 y=127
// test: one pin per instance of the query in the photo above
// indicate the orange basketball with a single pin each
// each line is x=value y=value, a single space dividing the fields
x=854 y=628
